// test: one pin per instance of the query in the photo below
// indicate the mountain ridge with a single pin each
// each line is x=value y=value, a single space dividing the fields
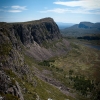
x=38 y=40
x=82 y=29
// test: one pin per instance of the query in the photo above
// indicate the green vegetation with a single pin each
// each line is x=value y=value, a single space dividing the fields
x=51 y=44
x=38 y=87
x=46 y=62
x=10 y=73
x=75 y=70
x=9 y=97
x=29 y=60
x=81 y=70
x=83 y=85
x=71 y=72
x=49 y=65
x=46 y=91
x=5 y=49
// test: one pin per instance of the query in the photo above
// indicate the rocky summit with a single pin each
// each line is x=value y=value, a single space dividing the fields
x=40 y=40
x=39 y=31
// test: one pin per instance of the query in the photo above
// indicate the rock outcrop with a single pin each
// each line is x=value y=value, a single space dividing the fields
x=9 y=86
x=38 y=31
x=40 y=39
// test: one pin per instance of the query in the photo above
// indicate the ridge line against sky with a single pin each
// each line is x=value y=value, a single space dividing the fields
x=68 y=11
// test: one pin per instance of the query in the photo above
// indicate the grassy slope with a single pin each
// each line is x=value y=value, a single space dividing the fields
x=82 y=60
x=42 y=88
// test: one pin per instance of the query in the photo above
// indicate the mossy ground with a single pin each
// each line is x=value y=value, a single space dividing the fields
x=9 y=97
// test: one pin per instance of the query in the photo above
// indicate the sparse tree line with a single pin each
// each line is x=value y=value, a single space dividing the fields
x=49 y=64
x=85 y=86
x=89 y=37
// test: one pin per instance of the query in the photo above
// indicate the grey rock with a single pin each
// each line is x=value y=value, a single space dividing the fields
x=27 y=37
x=39 y=31
x=7 y=87
x=19 y=91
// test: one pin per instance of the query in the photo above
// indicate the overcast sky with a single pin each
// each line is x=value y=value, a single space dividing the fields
x=67 y=11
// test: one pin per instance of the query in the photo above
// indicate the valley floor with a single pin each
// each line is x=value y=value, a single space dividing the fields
x=81 y=61
x=74 y=76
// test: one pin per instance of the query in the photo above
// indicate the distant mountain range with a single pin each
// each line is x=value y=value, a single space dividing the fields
x=82 y=29
x=64 y=25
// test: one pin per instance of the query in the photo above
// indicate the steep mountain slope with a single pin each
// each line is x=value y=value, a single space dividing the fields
x=38 y=31
x=37 y=34
x=82 y=29
x=39 y=39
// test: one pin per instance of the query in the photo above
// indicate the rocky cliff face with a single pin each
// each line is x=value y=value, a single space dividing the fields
x=39 y=39
x=38 y=31
x=12 y=64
